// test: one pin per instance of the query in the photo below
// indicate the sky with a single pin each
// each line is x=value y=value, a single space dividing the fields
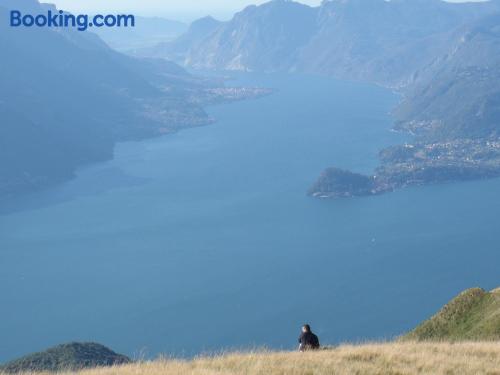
x=222 y=9
x=185 y=10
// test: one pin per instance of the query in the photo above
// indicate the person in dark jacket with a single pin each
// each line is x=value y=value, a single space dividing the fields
x=307 y=339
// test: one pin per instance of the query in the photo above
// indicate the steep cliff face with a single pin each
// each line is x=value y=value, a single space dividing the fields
x=263 y=38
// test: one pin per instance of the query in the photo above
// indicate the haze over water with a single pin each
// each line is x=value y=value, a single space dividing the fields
x=206 y=239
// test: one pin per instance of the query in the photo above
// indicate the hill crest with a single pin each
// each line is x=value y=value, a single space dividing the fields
x=472 y=315
x=72 y=356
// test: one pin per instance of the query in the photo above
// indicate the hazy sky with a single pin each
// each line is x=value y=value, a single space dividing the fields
x=185 y=9
x=182 y=8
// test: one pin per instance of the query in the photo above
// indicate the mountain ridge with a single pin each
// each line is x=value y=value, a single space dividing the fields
x=443 y=58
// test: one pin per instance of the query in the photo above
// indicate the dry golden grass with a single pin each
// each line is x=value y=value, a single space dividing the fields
x=381 y=359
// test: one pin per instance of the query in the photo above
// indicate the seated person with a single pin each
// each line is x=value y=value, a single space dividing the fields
x=307 y=339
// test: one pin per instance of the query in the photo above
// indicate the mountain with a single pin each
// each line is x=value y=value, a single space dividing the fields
x=362 y=39
x=458 y=94
x=66 y=357
x=259 y=38
x=148 y=32
x=383 y=41
x=473 y=315
x=178 y=49
x=66 y=98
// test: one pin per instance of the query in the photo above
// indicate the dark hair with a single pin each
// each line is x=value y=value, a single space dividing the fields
x=307 y=327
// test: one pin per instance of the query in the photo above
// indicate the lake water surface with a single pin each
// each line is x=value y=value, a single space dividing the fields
x=206 y=239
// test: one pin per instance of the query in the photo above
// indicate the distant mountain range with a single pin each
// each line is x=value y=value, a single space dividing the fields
x=444 y=58
x=178 y=49
x=148 y=32
x=377 y=40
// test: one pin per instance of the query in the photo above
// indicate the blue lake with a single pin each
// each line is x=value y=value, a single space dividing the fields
x=205 y=239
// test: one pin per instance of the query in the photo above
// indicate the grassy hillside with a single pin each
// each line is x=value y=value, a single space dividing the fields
x=383 y=359
x=473 y=315
x=462 y=338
